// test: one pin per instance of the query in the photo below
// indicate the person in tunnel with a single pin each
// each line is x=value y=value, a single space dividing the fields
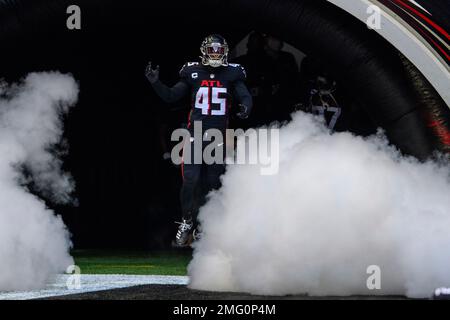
x=212 y=84
x=258 y=66
x=319 y=95
x=273 y=79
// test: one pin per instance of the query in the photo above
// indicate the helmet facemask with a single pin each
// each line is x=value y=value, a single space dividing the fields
x=214 y=54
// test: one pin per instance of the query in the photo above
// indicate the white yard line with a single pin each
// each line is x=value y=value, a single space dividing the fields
x=91 y=283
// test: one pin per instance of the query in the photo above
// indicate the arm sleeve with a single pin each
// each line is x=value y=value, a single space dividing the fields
x=243 y=95
x=170 y=95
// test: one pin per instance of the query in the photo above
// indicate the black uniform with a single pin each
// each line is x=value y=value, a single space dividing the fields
x=212 y=93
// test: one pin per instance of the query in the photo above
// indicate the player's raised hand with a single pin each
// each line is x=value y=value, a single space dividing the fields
x=152 y=74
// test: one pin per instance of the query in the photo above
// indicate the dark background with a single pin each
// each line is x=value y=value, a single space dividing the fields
x=127 y=195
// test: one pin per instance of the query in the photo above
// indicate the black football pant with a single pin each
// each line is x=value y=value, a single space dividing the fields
x=198 y=181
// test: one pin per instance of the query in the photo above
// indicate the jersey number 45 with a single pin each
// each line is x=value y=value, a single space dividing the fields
x=207 y=97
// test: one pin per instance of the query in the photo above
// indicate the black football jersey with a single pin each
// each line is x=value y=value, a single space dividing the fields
x=212 y=92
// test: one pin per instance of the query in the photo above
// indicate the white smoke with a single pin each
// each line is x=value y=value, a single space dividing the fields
x=339 y=204
x=34 y=243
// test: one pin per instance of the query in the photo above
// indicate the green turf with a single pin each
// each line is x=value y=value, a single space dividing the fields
x=137 y=263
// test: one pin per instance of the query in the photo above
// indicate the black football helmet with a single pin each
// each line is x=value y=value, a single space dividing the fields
x=214 y=51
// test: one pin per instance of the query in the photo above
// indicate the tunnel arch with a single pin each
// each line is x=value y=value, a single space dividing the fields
x=388 y=86
x=432 y=60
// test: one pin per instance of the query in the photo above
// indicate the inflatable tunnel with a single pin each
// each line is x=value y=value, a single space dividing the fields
x=399 y=74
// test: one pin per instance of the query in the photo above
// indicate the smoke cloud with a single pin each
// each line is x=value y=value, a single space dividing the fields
x=34 y=242
x=338 y=205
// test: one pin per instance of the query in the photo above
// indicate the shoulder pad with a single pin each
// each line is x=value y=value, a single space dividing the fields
x=190 y=64
x=240 y=70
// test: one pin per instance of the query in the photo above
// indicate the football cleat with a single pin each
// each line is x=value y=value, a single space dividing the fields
x=184 y=235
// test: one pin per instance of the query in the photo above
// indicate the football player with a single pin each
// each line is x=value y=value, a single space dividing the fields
x=213 y=85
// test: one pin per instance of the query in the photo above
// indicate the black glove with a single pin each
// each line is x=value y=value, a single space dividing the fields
x=152 y=74
x=243 y=112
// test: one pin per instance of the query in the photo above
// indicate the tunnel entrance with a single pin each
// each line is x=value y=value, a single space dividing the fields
x=115 y=151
